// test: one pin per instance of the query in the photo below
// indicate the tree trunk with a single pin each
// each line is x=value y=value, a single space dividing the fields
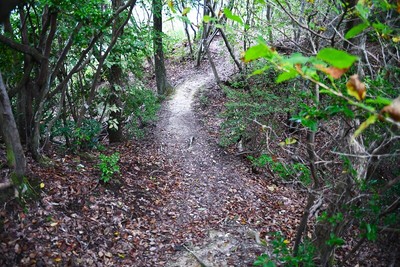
x=228 y=46
x=214 y=69
x=161 y=74
x=186 y=27
x=15 y=153
x=115 y=129
x=206 y=12
x=115 y=134
x=43 y=81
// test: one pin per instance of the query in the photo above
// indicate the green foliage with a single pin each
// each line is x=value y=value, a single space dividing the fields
x=228 y=13
x=141 y=107
x=77 y=138
x=282 y=254
x=333 y=220
x=264 y=261
x=334 y=240
x=340 y=96
x=243 y=107
x=284 y=171
x=108 y=166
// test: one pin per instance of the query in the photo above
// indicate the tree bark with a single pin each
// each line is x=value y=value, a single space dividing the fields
x=160 y=72
x=15 y=153
x=115 y=134
x=228 y=46
x=204 y=35
x=186 y=27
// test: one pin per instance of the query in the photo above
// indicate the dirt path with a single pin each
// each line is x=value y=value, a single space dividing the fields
x=177 y=191
x=216 y=189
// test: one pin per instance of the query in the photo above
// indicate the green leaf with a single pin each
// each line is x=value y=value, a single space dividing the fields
x=297 y=58
x=309 y=123
x=231 y=16
x=379 y=100
x=171 y=6
x=290 y=141
x=336 y=58
x=334 y=240
x=206 y=18
x=264 y=261
x=184 y=19
x=185 y=11
x=260 y=71
x=362 y=10
x=258 y=51
x=356 y=30
x=382 y=28
x=333 y=110
x=371 y=120
x=287 y=75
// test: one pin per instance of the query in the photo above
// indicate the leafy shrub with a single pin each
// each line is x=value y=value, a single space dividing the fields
x=141 y=107
x=76 y=138
x=244 y=107
x=285 y=171
x=282 y=254
x=108 y=166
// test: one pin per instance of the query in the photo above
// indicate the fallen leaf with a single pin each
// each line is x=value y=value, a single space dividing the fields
x=271 y=188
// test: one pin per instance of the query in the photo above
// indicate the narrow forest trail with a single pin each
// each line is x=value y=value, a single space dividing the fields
x=215 y=190
x=177 y=191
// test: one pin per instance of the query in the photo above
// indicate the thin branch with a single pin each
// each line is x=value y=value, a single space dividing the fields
x=300 y=24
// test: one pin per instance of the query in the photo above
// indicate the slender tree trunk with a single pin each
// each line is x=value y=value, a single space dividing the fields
x=206 y=12
x=161 y=74
x=269 y=19
x=26 y=92
x=214 y=69
x=316 y=182
x=228 y=46
x=186 y=27
x=43 y=81
x=115 y=134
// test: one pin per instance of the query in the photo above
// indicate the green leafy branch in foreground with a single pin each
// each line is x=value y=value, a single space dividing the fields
x=282 y=253
x=334 y=63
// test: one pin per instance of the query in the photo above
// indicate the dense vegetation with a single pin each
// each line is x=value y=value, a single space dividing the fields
x=315 y=101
